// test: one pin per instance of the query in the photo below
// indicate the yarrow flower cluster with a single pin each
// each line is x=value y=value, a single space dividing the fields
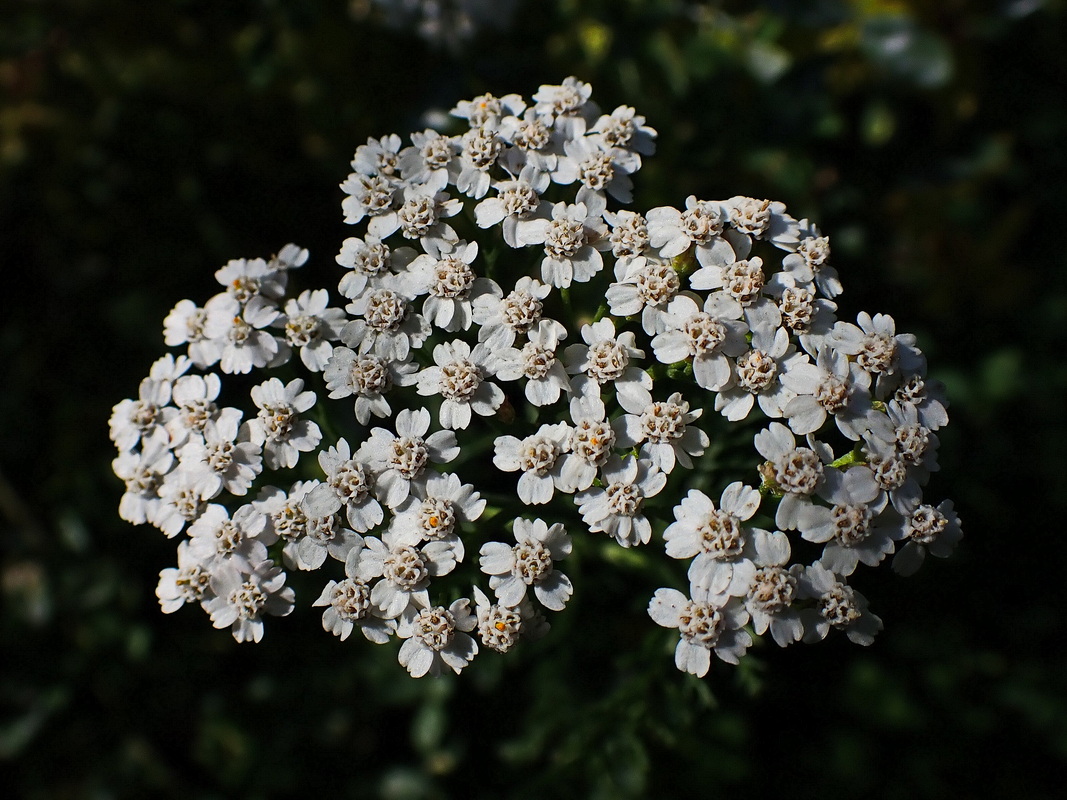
x=521 y=371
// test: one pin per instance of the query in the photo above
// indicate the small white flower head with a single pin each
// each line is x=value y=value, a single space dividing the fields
x=143 y=473
x=239 y=333
x=436 y=637
x=481 y=147
x=404 y=568
x=348 y=606
x=378 y=156
x=926 y=528
x=879 y=349
x=277 y=427
x=713 y=537
x=616 y=509
x=247 y=278
x=849 y=527
x=401 y=460
x=421 y=216
x=605 y=358
x=538 y=457
x=349 y=484
x=311 y=327
x=926 y=396
x=573 y=239
x=445 y=274
x=591 y=443
x=487 y=110
x=242 y=599
x=372 y=196
x=501 y=626
x=368 y=377
x=663 y=429
x=701 y=336
x=369 y=260
x=426 y=162
x=643 y=286
x=763 y=219
x=189 y=582
x=194 y=396
x=629 y=233
x=225 y=459
x=599 y=168
x=796 y=472
x=502 y=319
x=758 y=375
x=185 y=324
x=515 y=204
x=529 y=564
x=134 y=420
x=700 y=226
x=837 y=605
x=216 y=536
x=567 y=107
x=625 y=128
x=770 y=587
x=181 y=501
x=707 y=624
x=458 y=376
x=436 y=509
x=832 y=386
x=545 y=375
x=385 y=323
x=810 y=262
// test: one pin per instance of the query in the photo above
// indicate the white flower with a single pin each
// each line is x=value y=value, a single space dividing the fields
x=529 y=564
x=545 y=375
x=134 y=420
x=605 y=358
x=703 y=337
x=185 y=324
x=404 y=566
x=215 y=536
x=435 y=510
x=245 y=279
x=809 y=262
x=459 y=377
x=763 y=219
x=180 y=501
x=243 y=598
x=502 y=319
x=385 y=323
x=445 y=273
x=795 y=471
x=194 y=396
x=239 y=333
x=538 y=457
x=348 y=606
x=646 y=286
x=838 y=605
x=590 y=445
x=436 y=636
x=624 y=127
x=420 y=217
x=673 y=232
x=662 y=429
x=311 y=326
x=566 y=106
x=879 y=349
x=926 y=528
x=573 y=239
x=367 y=376
x=487 y=109
x=616 y=508
x=368 y=261
x=599 y=167
x=831 y=386
x=189 y=582
x=400 y=460
x=713 y=537
x=481 y=147
x=629 y=233
x=426 y=162
x=349 y=483
x=501 y=626
x=143 y=474
x=738 y=288
x=515 y=204
x=927 y=397
x=707 y=624
x=277 y=428
x=770 y=587
x=849 y=527
x=225 y=459
x=758 y=376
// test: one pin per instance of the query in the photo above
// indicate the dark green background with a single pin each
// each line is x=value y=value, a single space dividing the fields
x=144 y=144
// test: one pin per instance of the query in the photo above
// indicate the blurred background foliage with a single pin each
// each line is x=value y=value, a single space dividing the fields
x=143 y=145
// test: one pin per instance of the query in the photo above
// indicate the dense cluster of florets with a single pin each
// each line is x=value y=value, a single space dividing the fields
x=497 y=312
